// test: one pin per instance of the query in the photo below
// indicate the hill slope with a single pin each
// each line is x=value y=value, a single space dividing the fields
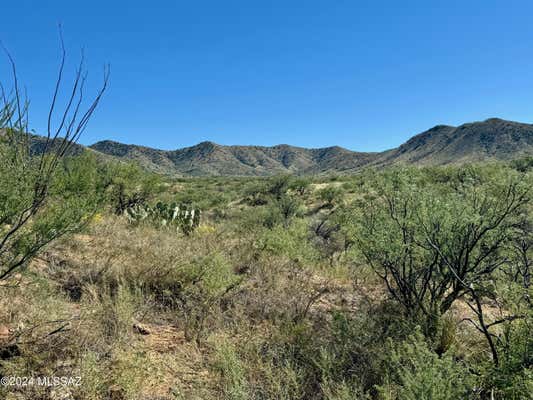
x=209 y=158
x=493 y=139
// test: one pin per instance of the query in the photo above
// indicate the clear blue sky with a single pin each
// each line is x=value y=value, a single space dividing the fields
x=365 y=75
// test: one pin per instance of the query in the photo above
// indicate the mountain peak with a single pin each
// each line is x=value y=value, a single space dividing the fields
x=491 y=139
x=207 y=143
x=495 y=120
x=440 y=127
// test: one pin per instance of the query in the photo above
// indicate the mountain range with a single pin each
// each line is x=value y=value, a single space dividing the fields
x=492 y=139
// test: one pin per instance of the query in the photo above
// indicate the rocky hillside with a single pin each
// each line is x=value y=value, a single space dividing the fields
x=209 y=158
x=493 y=139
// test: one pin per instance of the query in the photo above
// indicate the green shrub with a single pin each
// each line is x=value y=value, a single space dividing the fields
x=205 y=283
x=416 y=372
x=233 y=375
x=278 y=186
x=433 y=243
x=31 y=171
x=128 y=185
x=283 y=210
x=291 y=242
x=331 y=195
x=300 y=185
x=73 y=194
x=512 y=378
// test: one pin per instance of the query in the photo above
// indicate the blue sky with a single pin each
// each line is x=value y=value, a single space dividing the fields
x=365 y=75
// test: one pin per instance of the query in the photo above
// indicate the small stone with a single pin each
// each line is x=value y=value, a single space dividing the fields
x=141 y=329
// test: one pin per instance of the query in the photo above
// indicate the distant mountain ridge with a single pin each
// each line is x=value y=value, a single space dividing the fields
x=208 y=158
x=492 y=139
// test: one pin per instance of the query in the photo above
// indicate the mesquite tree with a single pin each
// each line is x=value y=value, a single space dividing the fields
x=434 y=242
x=36 y=205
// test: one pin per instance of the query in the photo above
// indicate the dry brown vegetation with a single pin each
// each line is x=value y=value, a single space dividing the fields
x=256 y=303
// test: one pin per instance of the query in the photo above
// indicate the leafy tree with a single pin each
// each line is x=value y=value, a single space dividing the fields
x=39 y=199
x=434 y=243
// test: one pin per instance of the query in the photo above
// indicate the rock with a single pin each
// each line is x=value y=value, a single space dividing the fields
x=141 y=329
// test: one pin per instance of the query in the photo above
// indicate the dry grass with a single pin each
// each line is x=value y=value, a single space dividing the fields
x=142 y=313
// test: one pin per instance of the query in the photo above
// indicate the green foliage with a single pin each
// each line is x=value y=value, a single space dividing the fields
x=129 y=185
x=416 y=372
x=204 y=284
x=331 y=195
x=254 y=303
x=512 y=378
x=329 y=238
x=348 y=361
x=250 y=372
x=124 y=370
x=278 y=185
x=33 y=211
x=207 y=193
x=432 y=243
x=234 y=381
x=523 y=164
x=288 y=207
x=343 y=391
x=300 y=185
x=28 y=223
x=291 y=242
x=255 y=194
x=272 y=190
x=283 y=210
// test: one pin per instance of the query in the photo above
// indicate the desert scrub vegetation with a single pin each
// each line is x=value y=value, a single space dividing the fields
x=43 y=196
x=404 y=283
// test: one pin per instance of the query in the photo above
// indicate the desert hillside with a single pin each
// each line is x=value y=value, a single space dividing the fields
x=493 y=139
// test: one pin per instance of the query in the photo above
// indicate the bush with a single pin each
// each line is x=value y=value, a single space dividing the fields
x=434 y=243
x=291 y=242
x=30 y=218
x=331 y=195
x=415 y=372
x=300 y=185
x=233 y=375
x=523 y=164
x=512 y=378
x=74 y=192
x=128 y=185
x=282 y=211
x=278 y=186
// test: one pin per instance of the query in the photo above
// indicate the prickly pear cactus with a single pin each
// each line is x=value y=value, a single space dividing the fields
x=137 y=213
x=184 y=218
